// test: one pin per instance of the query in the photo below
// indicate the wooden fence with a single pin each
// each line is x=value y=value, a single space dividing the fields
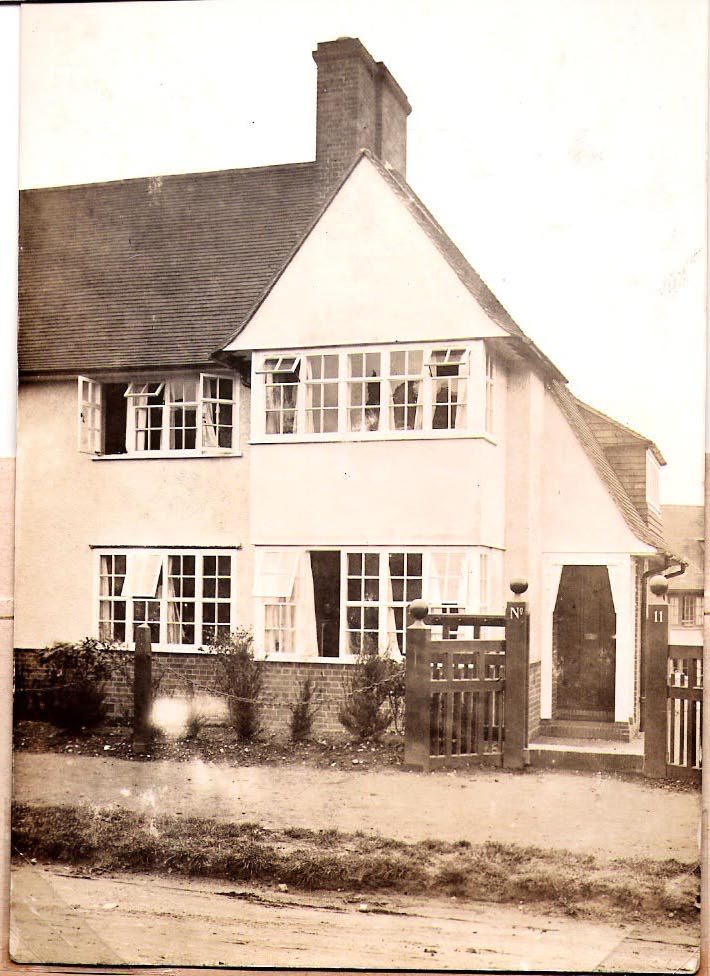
x=466 y=700
x=673 y=719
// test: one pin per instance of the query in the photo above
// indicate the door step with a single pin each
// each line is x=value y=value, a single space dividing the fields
x=589 y=755
x=568 y=729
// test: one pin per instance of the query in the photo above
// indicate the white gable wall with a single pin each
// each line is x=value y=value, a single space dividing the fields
x=367 y=273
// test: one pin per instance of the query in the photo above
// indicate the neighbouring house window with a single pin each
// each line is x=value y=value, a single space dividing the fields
x=686 y=609
x=364 y=390
x=322 y=394
x=447 y=367
x=406 y=579
x=406 y=389
x=188 y=414
x=185 y=597
x=490 y=394
x=362 y=602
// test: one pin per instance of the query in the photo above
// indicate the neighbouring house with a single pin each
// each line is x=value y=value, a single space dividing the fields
x=684 y=528
x=280 y=398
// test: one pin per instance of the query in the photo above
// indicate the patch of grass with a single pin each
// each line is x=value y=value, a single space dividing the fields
x=111 y=839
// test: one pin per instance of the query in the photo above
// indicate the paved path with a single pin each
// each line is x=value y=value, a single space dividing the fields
x=58 y=917
x=583 y=813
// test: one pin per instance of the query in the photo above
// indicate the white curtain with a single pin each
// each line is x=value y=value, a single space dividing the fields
x=461 y=405
x=306 y=633
x=392 y=645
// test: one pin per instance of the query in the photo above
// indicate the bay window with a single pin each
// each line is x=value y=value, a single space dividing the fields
x=396 y=392
x=343 y=603
x=185 y=596
x=187 y=414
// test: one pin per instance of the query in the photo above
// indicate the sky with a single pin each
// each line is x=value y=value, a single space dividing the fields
x=561 y=144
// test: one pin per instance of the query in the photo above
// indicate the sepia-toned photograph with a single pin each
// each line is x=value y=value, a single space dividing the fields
x=359 y=524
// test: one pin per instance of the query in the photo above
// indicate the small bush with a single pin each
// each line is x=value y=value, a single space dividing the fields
x=240 y=679
x=365 y=712
x=75 y=677
x=303 y=711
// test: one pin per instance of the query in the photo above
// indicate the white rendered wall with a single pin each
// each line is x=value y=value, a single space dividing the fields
x=367 y=273
x=68 y=502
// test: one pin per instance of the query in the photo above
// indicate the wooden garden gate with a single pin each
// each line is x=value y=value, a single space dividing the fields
x=673 y=718
x=466 y=701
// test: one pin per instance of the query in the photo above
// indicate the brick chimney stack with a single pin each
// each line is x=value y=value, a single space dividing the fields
x=360 y=106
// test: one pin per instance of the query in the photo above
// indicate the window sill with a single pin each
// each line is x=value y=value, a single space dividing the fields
x=302 y=659
x=165 y=455
x=356 y=436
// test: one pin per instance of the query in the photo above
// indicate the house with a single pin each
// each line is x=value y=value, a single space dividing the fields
x=281 y=398
x=684 y=528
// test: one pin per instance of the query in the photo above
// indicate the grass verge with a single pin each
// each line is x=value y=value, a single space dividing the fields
x=118 y=840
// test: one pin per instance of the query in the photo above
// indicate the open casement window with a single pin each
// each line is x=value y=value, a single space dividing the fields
x=448 y=369
x=90 y=427
x=281 y=386
x=185 y=597
x=274 y=584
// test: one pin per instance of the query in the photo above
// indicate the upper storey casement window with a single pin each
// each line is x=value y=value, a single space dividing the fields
x=490 y=394
x=448 y=371
x=186 y=415
x=374 y=393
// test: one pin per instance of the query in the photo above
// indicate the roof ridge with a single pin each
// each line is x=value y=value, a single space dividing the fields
x=166 y=176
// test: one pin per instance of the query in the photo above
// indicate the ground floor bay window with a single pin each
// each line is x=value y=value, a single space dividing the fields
x=342 y=603
x=186 y=596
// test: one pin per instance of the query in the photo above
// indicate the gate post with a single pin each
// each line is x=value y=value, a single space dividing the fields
x=416 y=690
x=655 y=728
x=142 y=690
x=517 y=655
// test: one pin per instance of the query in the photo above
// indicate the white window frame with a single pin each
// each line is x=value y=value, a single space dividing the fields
x=163 y=598
x=471 y=383
x=90 y=415
x=677 y=602
x=490 y=405
x=466 y=583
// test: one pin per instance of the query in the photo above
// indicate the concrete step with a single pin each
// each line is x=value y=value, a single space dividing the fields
x=568 y=729
x=589 y=755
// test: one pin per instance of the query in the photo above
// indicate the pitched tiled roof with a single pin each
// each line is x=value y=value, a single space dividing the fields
x=611 y=433
x=157 y=271
x=684 y=529
x=571 y=409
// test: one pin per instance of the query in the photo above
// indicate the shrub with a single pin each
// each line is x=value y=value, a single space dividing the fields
x=365 y=712
x=395 y=688
x=303 y=711
x=240 y=679
x=74 y=678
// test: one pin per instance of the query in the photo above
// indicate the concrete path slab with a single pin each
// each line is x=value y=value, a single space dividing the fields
x=58 y=917
x=591 y=814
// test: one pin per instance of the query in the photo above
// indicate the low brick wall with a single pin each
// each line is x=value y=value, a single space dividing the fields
x=179 y=674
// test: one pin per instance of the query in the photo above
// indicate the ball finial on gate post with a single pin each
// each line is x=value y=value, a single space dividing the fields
x=658 y=585
x=419 y=609
x=518 y=586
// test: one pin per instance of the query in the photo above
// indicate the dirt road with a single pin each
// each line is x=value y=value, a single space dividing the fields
x=59 y=917
x=582 y=813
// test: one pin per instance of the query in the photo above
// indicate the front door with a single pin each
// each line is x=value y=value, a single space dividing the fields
x=585 y=631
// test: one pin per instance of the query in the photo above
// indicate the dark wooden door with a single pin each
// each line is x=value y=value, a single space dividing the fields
x=585 y=628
